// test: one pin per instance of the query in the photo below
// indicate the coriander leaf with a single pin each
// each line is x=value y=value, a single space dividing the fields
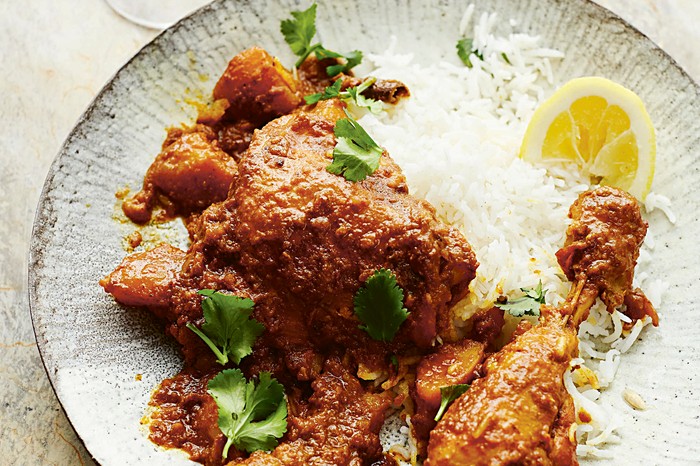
x=379 y=306
x=355 y=93
x=299 y=32
x=529 y=304
x=228 y=329
x=505 y=58
x=366 y=84
x=350 y=129
x=352 y=59
x=351 y=94
x=328 y=93
x=465 y=48
x=323 y=53
x=351 y=161
x=355 y=155
x=448 y=395
x=252 y=418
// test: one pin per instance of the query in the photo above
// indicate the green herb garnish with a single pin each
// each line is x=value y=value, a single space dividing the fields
x=394 y=362
x=355 y=155
x=228 y=329
x=252 y=417
x=465 y=48
x=352 y=59
x=351 y=94
x=379 y=306
x=505 y=58
x=329 y=92
x=300 y=31
x=448 y=395
x=527 y=305
x=355 y=93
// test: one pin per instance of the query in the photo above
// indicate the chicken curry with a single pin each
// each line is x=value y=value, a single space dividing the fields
x=293 y=242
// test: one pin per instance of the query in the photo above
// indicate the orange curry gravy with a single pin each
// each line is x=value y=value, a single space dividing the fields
x=267 y=221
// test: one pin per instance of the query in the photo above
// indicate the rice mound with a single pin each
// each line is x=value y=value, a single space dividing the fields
x=457 y=138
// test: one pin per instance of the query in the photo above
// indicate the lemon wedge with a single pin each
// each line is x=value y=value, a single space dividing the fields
x=599 y=125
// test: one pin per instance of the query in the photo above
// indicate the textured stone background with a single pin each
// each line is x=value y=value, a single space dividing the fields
x=55 y=56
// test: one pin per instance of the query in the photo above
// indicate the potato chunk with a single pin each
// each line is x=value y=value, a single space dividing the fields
x=145 y=278
x=193 y=172
x=257 y=86
x=451 y=364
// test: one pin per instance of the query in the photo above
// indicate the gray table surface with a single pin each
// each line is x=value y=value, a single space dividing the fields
x=54 y=57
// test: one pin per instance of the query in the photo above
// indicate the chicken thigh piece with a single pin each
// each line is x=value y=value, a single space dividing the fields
x=291 y=226
x=520 y=411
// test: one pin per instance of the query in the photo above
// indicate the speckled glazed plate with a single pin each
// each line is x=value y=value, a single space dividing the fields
x=93 y=349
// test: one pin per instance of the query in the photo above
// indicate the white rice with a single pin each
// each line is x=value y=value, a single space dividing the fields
x=457 y=139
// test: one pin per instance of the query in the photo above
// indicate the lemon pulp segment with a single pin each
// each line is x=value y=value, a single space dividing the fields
x=599 y=125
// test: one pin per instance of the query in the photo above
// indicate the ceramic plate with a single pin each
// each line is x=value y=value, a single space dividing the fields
x=93 y=349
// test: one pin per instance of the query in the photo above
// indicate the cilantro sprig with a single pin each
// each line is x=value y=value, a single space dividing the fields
x=356 y=155
x=379 y=306
x=447 y=395
x=329 y=92
x=465 y=49
x=352 y=59
x=228 y=329
x=528 y=304
x=299 y=33
x=252 y=417
x=351 y=94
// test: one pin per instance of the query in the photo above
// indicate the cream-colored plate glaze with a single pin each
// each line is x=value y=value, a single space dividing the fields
x=93 y=349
